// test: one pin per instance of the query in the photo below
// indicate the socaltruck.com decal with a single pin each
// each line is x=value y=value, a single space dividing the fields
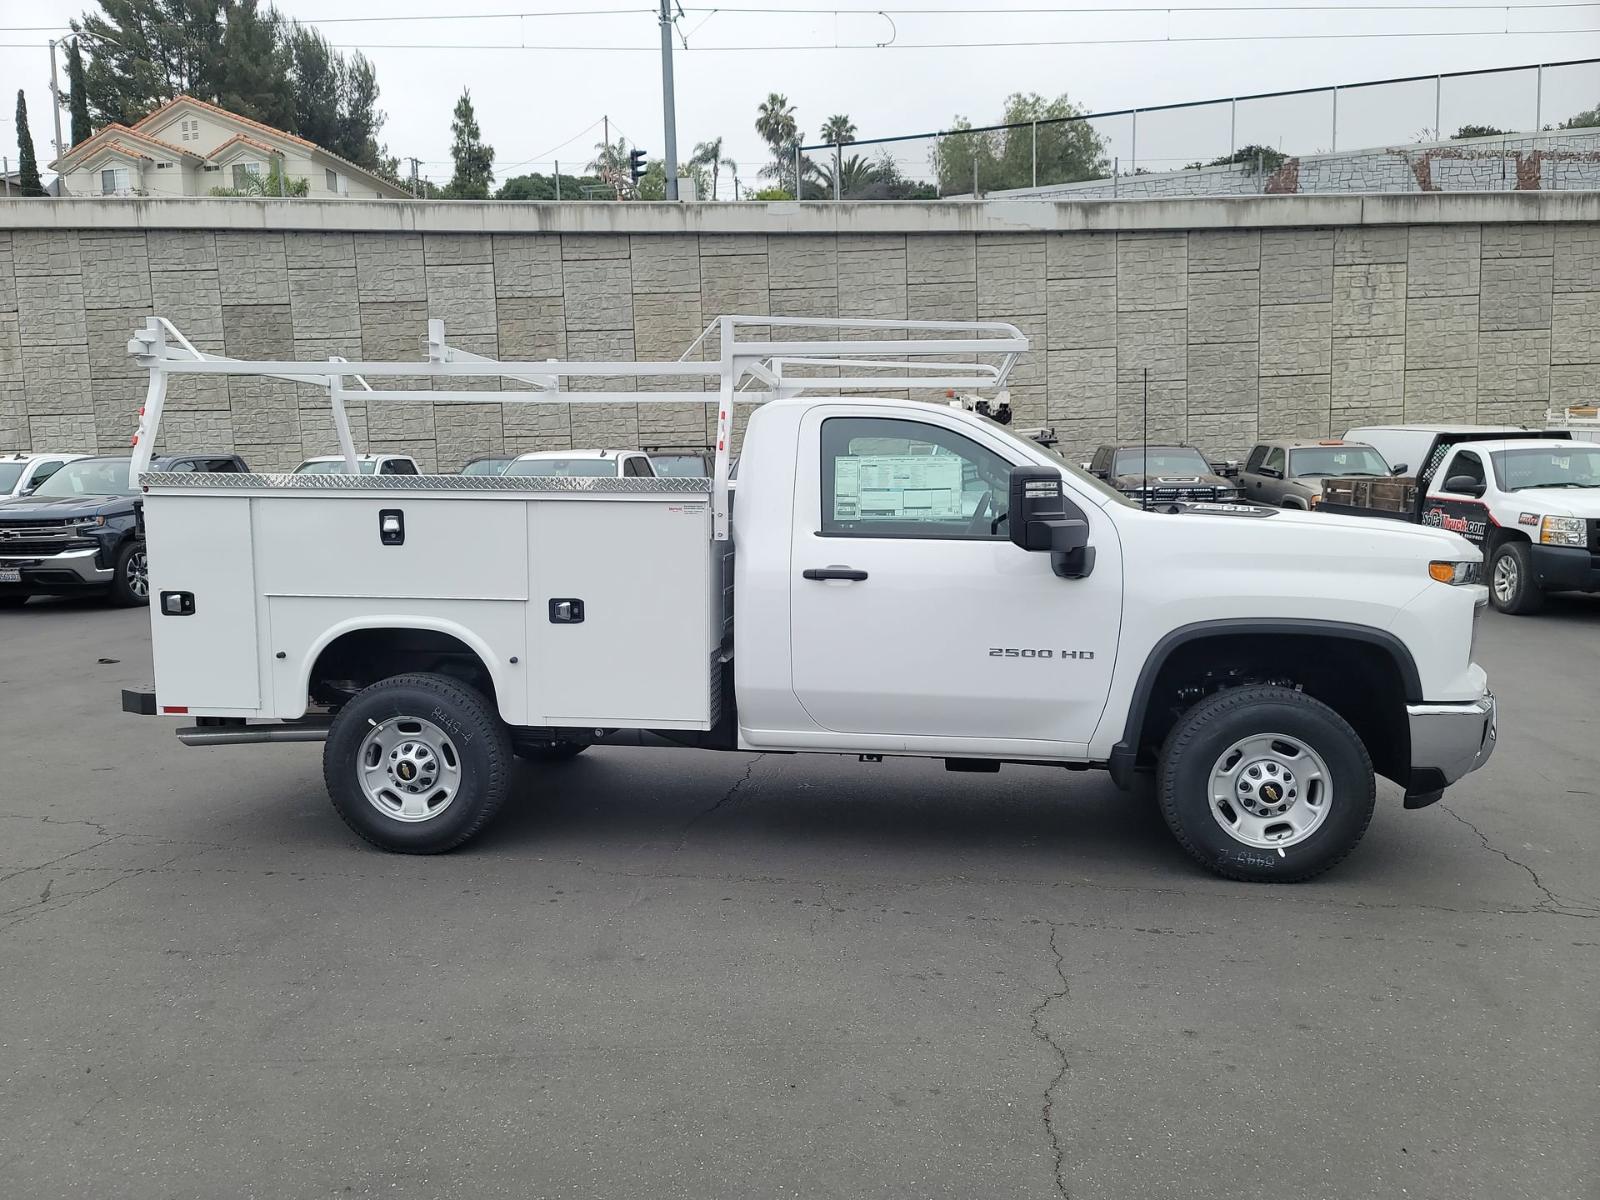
x=1466 y=517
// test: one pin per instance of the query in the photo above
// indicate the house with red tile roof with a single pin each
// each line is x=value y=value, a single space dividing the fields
x=188 y=147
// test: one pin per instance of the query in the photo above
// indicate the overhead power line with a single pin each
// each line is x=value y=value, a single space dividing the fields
x=974 y=45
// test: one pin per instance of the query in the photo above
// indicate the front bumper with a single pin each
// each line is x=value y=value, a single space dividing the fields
x=1566 y=568
x=1447 y=742
x=68 y=571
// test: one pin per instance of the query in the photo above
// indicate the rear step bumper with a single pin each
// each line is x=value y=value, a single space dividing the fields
x=247 y=735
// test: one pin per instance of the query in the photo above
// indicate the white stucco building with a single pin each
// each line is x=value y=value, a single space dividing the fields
x=187 y=147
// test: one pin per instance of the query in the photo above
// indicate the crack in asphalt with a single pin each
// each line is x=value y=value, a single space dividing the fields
x=1552 y=903
x=1036 y=1018
x=725 y=798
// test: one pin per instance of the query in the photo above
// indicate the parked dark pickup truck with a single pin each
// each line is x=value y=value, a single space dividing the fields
x=80 y=531
x=1151 y=475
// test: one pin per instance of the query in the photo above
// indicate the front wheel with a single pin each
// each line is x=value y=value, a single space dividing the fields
x=418 y=763
x=1513 y=586
x=1265 y=784
x=130 y=582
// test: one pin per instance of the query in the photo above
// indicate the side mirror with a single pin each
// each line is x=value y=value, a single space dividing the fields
x=1464 y=485
x=1399 y=468
x=1269 y=472
x=1227 y=470
x=31 y=488
x=1041 y=519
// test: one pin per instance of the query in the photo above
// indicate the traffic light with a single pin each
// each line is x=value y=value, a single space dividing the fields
x=636 y=164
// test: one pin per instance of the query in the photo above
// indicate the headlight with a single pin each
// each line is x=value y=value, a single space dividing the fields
x=1561 y=531
x=1455 y=573
x=90 y=524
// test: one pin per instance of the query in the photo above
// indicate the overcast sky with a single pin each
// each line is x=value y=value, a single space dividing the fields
x=545 y=102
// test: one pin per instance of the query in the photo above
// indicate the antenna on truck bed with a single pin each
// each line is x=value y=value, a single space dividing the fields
x=775 y=367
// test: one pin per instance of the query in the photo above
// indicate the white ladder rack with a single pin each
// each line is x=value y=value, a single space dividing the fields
x=748 y=370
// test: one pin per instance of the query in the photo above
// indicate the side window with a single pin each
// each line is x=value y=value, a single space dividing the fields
x=1100 y=460
x=897 y=478
x=1257 y=457
x=1274 y=461
x=182 y=465
x=225 y=466
x=397 y=466
x=645 y=468
x=1466 y=463
x=44 y=470
x=630 y=468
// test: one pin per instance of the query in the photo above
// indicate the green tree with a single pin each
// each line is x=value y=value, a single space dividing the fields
x=256 y=61
x=82 y=130
x=839 y=130
x=474 y=159
x=316 y=85
x=775 y=123
x=27 y=165
x=709 y=154
x=1476 y=131
x=145 y=52
x=360 y=118
x=543 y=187
x=1068 y=150
x=1589 y=118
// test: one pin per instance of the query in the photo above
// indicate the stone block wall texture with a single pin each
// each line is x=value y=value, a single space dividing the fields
x=1235 y=332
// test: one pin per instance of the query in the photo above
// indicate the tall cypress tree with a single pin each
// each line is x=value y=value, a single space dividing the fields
x=474 y=160
x=82 y=131
x=27 y=165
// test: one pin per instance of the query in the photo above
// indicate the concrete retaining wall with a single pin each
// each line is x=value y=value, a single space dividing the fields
x=1268 y=315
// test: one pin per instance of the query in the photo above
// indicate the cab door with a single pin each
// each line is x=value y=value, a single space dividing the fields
x=1458 y=494
x=912 y=613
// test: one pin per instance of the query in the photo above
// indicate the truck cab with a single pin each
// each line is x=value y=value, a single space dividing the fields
x=21 y=473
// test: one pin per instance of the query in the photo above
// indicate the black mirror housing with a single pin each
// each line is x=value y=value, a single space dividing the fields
x=1465 y=485
x=1043 y=519
x=1399 y=468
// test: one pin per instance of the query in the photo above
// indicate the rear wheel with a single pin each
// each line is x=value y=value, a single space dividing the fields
x=1265 y=784
x=1513 y=586
x=418 y=763
x=130 y=583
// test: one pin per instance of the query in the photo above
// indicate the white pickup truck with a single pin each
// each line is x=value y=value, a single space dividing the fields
x=911 y=580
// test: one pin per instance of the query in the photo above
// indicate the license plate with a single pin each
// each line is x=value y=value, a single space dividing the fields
x=10 y=574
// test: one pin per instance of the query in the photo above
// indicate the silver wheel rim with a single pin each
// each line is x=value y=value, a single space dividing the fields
x=408 y=769
x=1270 y=791
x=139 y=575
x=1505 y=578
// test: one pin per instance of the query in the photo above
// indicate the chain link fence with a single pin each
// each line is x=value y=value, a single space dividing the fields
x=1502 y=129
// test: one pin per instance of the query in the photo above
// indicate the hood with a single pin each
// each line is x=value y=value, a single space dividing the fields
x=1437 y=542
x=1557 y=502
x=63 y=508
x=1205 y=479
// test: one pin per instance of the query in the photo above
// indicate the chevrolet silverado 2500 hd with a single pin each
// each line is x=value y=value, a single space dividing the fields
x=912 y=579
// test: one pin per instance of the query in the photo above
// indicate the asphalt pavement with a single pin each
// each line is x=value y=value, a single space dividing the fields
x=681 y=974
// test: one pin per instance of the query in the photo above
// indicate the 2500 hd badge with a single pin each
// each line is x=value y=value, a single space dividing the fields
x=1014 y=652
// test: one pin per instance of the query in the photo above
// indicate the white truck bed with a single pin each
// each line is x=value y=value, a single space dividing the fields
x=280 y=566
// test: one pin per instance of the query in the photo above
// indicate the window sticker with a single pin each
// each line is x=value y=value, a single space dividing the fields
x=897 y=487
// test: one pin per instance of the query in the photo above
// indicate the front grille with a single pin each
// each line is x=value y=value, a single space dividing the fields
x=1593 y=526
x=28 y=538
x=1168 y=494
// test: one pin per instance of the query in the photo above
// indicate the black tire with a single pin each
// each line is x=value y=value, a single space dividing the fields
x=13 y=600
x=1195 y=748
x=550 y=752
x=1513 y=585
x=130 y=582
x=476 y=737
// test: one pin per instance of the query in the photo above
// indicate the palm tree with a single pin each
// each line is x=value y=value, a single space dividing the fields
x=776 y=124
x=856 y=173
x=709 y=154
x=839 y=130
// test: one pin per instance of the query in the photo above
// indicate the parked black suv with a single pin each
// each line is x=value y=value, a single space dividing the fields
x=1162 y=474
x=80 y=531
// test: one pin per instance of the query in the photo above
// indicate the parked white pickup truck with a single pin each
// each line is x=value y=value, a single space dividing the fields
x=912 y=580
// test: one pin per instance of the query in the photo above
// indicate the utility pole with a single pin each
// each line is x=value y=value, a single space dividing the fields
x=415 y=163
x=668 y=109
x=55 y=111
